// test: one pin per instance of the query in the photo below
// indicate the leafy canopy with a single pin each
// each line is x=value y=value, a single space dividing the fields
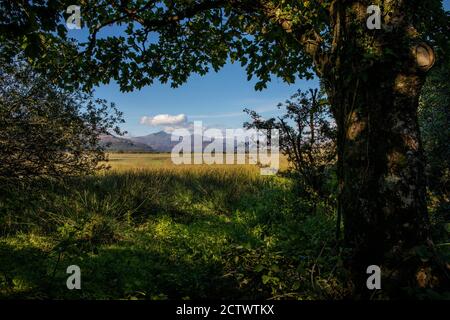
x=136 y=42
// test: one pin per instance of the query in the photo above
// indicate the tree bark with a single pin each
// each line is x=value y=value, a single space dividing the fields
x=373 y=82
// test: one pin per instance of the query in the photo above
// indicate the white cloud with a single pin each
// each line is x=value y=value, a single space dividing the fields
x=163 y=120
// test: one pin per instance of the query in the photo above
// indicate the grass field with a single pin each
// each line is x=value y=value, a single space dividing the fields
x=145 y=161
x=147 y=229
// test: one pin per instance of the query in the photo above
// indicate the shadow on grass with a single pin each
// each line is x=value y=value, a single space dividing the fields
x=112 y=273
x=175 y=234
x=23 y=272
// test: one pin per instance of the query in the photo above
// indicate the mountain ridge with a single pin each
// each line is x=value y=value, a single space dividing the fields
x=157 y=142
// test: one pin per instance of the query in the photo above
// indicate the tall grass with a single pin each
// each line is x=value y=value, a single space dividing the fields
x=148 y=229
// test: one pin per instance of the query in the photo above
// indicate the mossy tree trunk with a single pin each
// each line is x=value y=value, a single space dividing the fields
x=374 y=85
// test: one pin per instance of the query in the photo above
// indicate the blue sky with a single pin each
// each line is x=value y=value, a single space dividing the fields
x=217 y=99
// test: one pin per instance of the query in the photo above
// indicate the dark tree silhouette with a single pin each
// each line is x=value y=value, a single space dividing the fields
x=46 y=131
x=307 y=137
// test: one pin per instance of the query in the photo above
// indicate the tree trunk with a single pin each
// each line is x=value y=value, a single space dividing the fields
x=382 y=177
x=374 y=84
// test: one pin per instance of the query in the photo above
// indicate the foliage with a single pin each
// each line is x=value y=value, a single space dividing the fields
x=46 y=131
x=307 y=137
x=167 y=233
x=166 y=40
x=434 y=119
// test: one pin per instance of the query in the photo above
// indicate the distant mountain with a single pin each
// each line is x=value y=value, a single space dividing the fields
x=113 y=143
x=159 y=141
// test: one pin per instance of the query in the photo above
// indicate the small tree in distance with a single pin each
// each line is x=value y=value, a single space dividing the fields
x=307 y=137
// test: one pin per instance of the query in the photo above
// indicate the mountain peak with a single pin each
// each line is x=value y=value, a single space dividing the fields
x=113 y=143
x=160 y=133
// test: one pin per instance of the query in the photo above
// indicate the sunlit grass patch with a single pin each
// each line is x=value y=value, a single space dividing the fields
x=155 y=231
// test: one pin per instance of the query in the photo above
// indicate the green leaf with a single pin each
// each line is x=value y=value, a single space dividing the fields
x=275 y=268
x=259 y=268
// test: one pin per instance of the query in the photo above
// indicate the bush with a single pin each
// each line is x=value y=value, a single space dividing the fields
x=46 y=131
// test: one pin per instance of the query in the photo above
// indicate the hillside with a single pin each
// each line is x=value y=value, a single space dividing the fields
x=113 y=143
x=159 y=141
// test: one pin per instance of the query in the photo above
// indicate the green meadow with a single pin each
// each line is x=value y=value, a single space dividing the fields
x=147 y=229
